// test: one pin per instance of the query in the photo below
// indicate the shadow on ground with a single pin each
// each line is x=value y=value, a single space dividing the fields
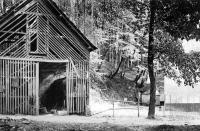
x=27 y=125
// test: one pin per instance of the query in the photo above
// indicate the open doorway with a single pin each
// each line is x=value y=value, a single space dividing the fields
x=52 y=91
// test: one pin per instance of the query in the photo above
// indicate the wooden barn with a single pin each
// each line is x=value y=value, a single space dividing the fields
x=33 y=35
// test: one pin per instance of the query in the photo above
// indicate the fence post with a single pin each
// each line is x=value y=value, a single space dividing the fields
x=113 y=102
x=138 y=103
x=164 y=105
x=170 y=98
x=113 y=108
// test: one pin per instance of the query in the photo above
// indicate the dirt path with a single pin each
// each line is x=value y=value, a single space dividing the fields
x=94 y=123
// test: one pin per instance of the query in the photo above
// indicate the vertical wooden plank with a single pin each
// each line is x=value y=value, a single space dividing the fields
x=69 y=107
x=67 y=86
x=81 y=84
x=88 y=82
x=8 y=83
x=9 y=89
x=37 y=88
x=12 y=88
x=31 y=87
x=77 y=93
x=28 y=84
x=71 y=88
x=5 y=85
x=8 y=86
x=15 y=73
x=83 y=80
x=25 y=78
x=3 y=73
x=1 y=87
x=78 y=90
x=18 y=89
x=84 y=86
x=68 y=93
x=23 y=86
x=5 y=89
x=7 y=107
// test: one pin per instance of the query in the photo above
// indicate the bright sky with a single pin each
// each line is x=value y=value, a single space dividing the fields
x=191 y=45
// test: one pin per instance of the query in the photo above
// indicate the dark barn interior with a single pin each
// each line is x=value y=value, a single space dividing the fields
x=52 y=86
x=54 y=97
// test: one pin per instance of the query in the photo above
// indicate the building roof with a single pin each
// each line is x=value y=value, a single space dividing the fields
x=46 y=11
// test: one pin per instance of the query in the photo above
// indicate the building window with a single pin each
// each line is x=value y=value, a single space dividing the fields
x=33 y=46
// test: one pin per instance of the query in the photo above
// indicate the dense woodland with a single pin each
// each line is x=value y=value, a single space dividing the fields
x=128 y=33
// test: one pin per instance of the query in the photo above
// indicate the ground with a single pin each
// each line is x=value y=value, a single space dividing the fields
x=124 y=117
x=123 y=120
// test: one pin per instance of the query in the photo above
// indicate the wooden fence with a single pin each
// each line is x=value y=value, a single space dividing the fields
x=19 y=87
x=77 y=87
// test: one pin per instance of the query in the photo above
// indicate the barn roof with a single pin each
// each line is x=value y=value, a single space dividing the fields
x=43 y=19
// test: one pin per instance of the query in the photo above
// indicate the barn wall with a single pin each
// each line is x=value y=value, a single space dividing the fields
x=19 y=87
x=77 y=87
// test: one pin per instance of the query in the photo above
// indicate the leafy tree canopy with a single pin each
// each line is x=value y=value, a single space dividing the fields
x=179 y=17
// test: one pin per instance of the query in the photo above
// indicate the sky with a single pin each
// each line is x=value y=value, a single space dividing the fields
x=191 y=45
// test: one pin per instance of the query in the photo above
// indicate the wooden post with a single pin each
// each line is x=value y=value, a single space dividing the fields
x=37 y=89
x=113 y=102
x=138 y=103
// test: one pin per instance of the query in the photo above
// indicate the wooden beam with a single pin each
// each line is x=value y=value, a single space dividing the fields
x=13 y=32
x=35 y=60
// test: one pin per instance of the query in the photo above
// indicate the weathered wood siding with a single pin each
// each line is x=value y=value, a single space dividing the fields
x=18 y=87
x=77 y=87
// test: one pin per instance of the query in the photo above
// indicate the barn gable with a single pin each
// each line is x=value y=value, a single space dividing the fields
x=38 y=29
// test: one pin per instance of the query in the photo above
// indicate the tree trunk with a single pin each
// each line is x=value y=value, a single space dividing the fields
x=151 y=113
x=115 y=73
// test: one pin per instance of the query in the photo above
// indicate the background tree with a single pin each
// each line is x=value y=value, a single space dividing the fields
x=180 y=19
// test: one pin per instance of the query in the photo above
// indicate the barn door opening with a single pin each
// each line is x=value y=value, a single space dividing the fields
x=19 y=87
x=52 y=86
